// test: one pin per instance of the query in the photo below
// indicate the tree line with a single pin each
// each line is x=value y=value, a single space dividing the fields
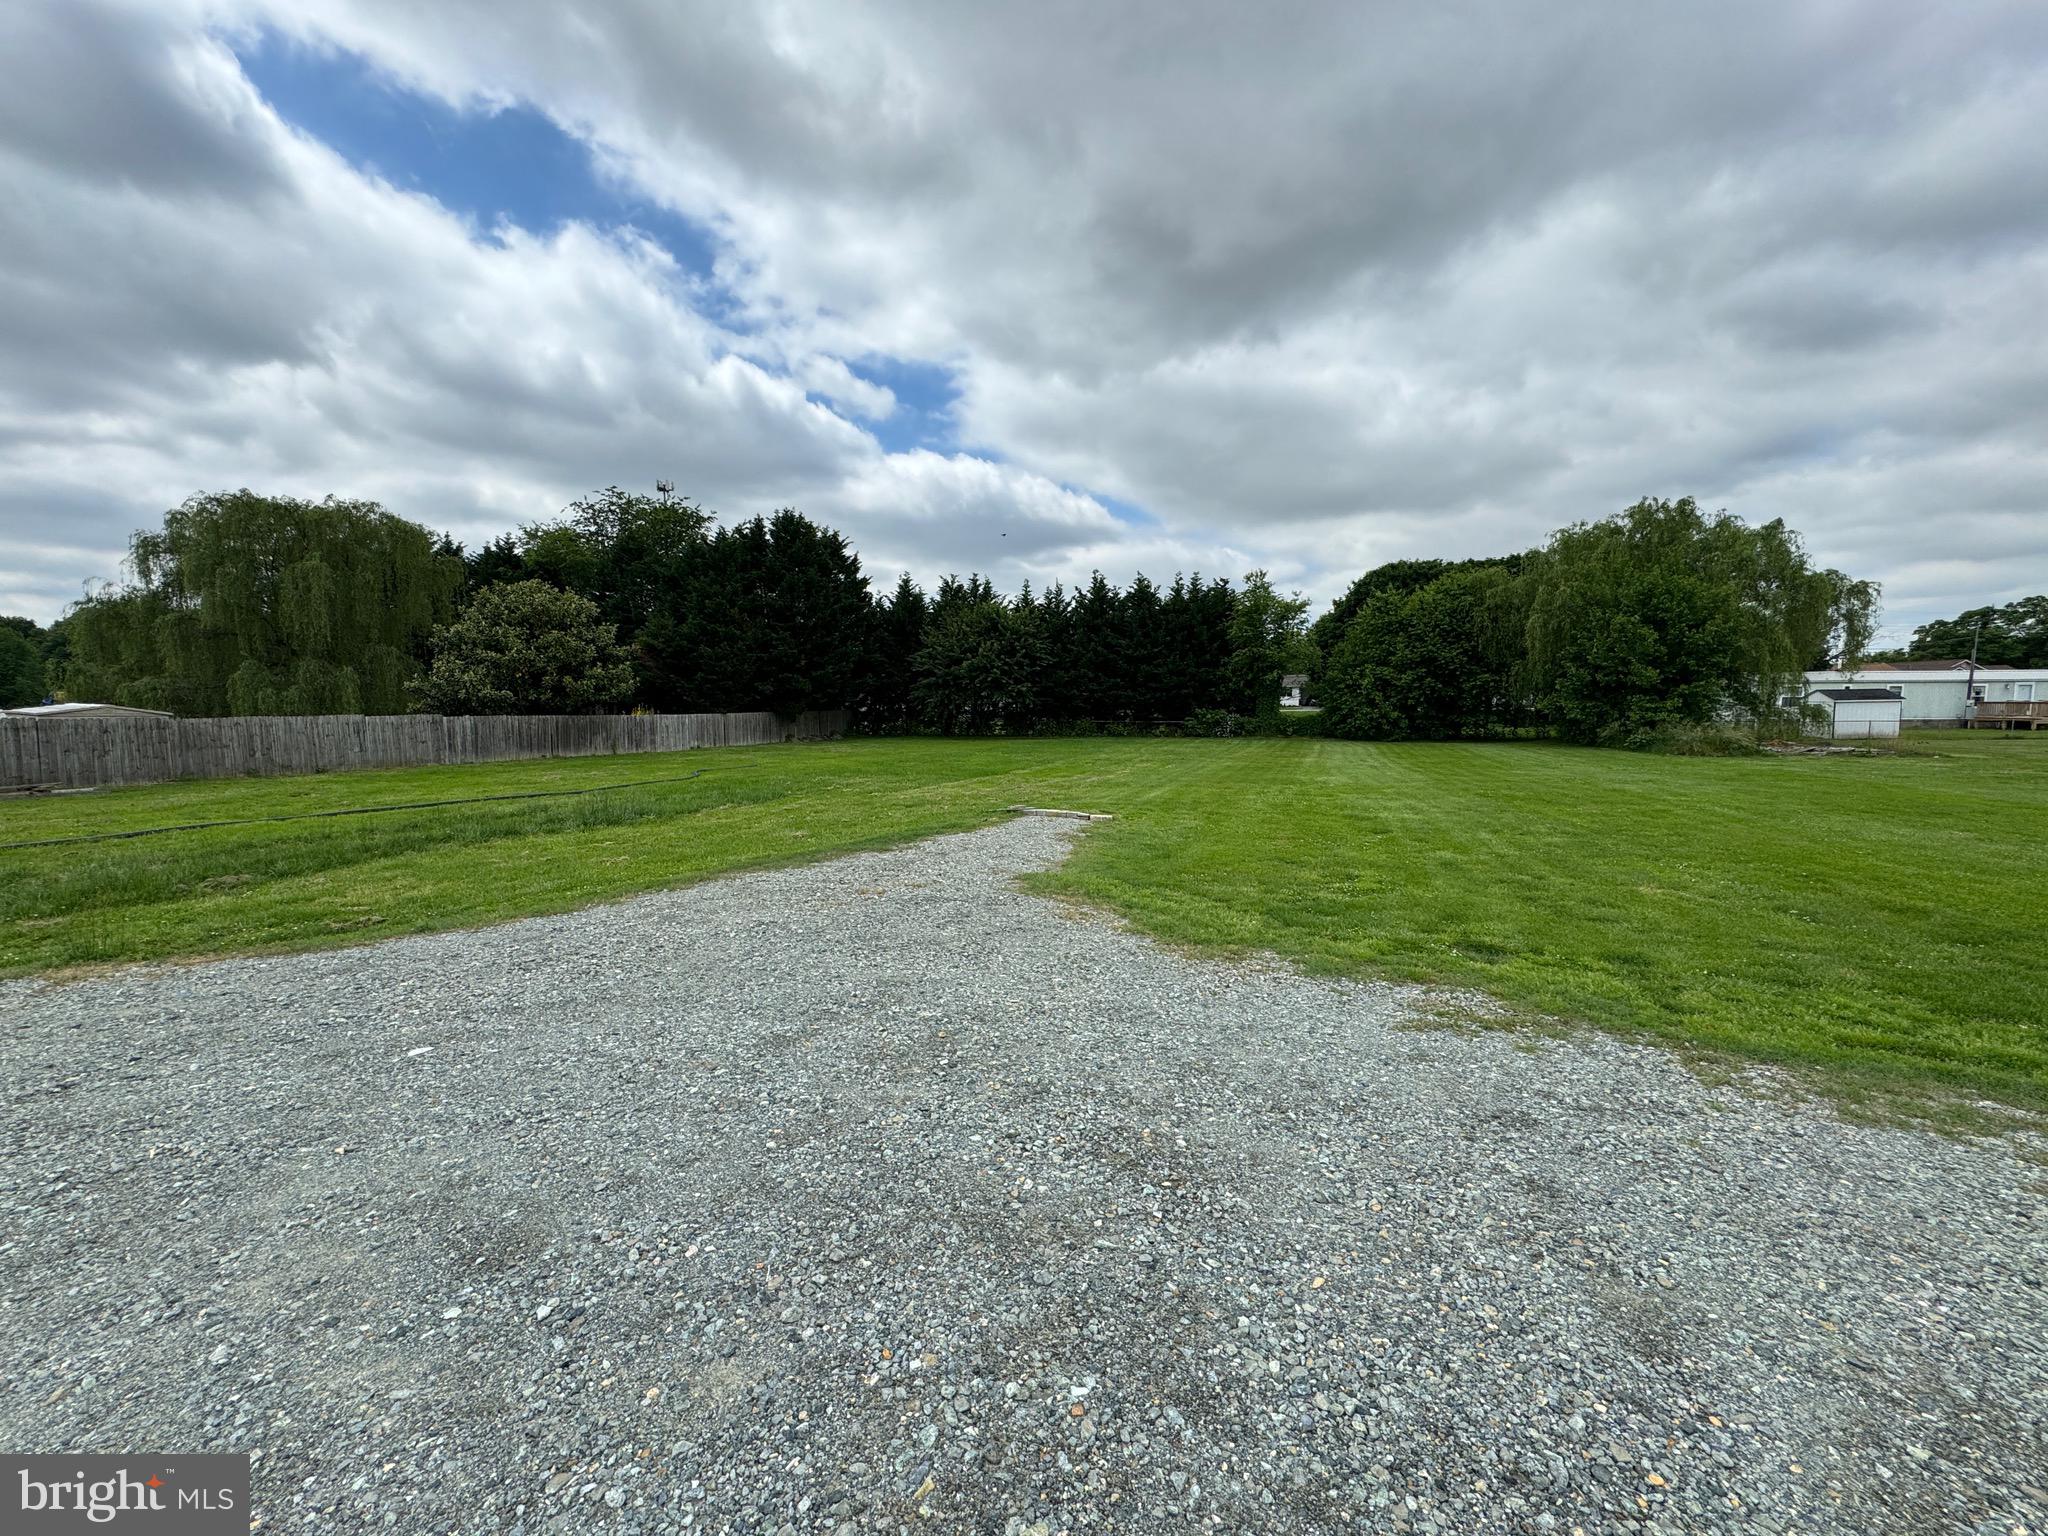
x=2014 y=635
x=1612 y=631
x=1659 y=619
x=31 y=658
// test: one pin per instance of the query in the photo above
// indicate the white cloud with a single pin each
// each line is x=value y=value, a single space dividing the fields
x=1386 y=281
x=831 y=378
x=316 y=330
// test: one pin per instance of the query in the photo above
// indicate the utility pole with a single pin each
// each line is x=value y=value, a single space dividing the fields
x=1970 y=687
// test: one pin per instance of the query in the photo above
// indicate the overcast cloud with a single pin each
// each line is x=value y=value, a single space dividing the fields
x=1214 y=286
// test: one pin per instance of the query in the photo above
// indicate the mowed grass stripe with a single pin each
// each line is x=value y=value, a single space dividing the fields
x=1845 y=914
x=309 y=885
x=1875 y=921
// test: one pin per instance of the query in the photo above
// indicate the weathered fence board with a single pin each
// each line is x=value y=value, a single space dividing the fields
x=137 y=749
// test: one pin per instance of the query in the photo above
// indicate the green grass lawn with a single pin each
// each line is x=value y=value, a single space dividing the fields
x=1880 y=922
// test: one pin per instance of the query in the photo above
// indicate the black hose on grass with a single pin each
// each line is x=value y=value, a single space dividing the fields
x=360 y=810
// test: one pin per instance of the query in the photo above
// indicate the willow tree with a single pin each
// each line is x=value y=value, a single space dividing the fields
x=1666 y=614
x=266 y=605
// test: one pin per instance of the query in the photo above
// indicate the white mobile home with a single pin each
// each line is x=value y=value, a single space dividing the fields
x=1936 y=694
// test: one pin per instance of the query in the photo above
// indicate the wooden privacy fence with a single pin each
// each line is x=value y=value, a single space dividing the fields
x=139 y=749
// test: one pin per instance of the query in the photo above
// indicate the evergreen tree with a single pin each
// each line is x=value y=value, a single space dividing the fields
x=764 y=615
x=1058 y=656
x=816 y=612
x=897 y=636
x=1146 y=652
x=1202 y=645
x=706 y=650
x=1177 y=687
x=976 y=671
x=494 y=562
x=954 y=593
x=1097 y=676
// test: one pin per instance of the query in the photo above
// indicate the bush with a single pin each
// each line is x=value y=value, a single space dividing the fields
x=1217 y=722
x=526 y=648
x=1223 y=722
x=1303 y=723
x=1680 y=738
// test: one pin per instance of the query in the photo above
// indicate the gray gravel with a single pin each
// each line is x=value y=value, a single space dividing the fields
x=880 y=1196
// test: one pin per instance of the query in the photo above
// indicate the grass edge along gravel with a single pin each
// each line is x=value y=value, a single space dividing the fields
x=1833 y=917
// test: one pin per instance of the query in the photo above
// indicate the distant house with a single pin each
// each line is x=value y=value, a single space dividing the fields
x=1943 y=693
x=1859 y=711
x=1293 y=687
x=81 y=712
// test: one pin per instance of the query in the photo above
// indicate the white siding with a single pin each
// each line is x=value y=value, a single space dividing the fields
x=1933 y=703
x=1996 y=687
x=1939 y=698
x=1859 y=717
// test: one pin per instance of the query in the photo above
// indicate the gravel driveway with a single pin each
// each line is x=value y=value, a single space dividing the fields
x=880 y=1196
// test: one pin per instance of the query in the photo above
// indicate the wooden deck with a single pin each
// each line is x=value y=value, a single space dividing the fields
x=2009 y=714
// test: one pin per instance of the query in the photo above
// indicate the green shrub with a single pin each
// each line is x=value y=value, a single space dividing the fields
x=526 y=648
x=1301 y=723
x=1217 y=722
x=1683 y=738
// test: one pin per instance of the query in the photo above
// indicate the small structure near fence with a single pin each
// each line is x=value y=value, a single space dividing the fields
x=83 y=711
x=1856 y=712
x=81 y=753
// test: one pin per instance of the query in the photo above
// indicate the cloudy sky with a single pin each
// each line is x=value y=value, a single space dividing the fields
x=1032 y=289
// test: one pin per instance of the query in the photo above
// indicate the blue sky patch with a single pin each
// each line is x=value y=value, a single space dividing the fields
x=1122 y=511
x=925 y=396
x=510 y=164
x=513 y=164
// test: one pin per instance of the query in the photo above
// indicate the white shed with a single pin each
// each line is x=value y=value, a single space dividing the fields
x=1860 y=711
x=81 y=712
